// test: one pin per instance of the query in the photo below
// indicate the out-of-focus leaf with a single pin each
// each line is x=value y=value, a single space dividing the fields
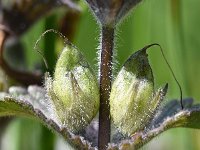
x=14 y=50
x=33 y=103
x=16 y=16
x=3 y=124
x=170 y=116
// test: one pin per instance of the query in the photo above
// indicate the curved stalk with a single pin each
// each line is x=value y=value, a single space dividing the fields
x=25 y=78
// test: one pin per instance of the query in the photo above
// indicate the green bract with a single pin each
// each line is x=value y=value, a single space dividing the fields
x=74 y=90
x=132 y=98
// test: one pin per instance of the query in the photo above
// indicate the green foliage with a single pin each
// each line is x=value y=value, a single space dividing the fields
x=32 y=103
x=153 y=21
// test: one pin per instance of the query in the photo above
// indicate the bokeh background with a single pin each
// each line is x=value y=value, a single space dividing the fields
x=174 y=24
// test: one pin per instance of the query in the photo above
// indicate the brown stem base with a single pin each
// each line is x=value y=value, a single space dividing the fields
x=107 y=43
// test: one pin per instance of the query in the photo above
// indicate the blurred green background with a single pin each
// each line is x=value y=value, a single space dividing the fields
x=174 y=24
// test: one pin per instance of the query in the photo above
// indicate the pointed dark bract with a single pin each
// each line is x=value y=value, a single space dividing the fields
x=110 y=12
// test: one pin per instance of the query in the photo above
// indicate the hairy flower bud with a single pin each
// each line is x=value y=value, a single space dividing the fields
x=74 y=90
x=132 y=98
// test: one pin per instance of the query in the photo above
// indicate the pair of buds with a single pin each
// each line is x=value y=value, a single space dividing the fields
x=75 y=92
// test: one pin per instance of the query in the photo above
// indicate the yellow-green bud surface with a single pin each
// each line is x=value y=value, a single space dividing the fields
x=74 y=90
x=132 y=98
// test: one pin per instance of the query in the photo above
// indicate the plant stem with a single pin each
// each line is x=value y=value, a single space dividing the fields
x=107 y=44
x=25 y=78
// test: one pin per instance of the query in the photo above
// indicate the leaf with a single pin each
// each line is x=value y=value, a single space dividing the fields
x=34 y=103
x=170 y=116
x=16 y=16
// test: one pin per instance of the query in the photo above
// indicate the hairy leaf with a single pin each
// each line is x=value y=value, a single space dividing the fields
x=33 y=103
x=170 y=116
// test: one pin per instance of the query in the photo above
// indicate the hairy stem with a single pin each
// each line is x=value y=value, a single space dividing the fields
x=107 y=44
x=25 y=78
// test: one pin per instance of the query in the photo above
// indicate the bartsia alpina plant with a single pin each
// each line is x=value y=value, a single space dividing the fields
x=73 y=96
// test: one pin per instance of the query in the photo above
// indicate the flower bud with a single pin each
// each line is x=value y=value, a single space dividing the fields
x=132 y=99
x=74 y=90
